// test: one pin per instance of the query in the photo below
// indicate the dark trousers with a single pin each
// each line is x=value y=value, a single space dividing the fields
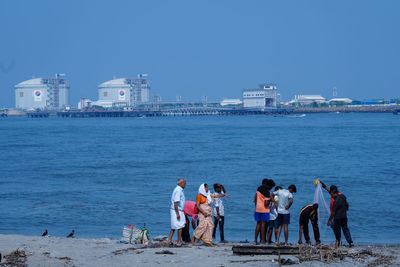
x=341 y=225
x=185 y=230
x=314 y=223
x=221 y=227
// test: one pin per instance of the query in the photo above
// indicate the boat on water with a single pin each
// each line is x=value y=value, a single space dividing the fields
x=298 y=116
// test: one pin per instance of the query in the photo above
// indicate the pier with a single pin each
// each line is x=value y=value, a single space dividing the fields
x=195 y=111
x=38 y=114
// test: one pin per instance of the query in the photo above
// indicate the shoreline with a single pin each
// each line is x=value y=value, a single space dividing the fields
x=55 y=251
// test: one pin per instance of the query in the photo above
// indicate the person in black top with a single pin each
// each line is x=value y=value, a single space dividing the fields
x=339 y=215
x=309 y=213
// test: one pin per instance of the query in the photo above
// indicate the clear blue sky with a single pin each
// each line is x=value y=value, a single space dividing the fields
x=212 y=47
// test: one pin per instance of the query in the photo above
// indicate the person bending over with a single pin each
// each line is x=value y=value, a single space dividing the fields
x=309 y=213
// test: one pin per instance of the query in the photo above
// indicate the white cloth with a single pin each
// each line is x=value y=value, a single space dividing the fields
x=178 y=196
x=175 y=224
x=283 y=200
x=273 y=213
x=202 y=190
x=218 y=203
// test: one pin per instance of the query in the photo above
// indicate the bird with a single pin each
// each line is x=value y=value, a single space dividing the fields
x=71 y=234
x=45 y=233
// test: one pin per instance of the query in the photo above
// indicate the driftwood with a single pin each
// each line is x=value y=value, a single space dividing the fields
x=323 y=253
x=330 y=254
x=16 y=258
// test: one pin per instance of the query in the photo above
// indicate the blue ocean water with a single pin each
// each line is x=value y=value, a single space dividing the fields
x=95 y=175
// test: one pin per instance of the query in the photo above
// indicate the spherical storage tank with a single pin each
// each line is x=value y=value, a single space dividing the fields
x=42 y=93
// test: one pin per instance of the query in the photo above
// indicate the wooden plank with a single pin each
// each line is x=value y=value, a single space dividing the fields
x=265 y=250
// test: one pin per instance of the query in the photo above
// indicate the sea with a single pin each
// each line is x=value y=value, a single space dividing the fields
x=97 y=175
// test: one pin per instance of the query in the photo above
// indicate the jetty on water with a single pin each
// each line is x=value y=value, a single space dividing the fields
x=196 y=111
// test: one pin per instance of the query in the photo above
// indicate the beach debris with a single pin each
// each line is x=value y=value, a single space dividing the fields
x=71 y=234
x=45 y=233
x=323 y=253
x=287 y=261
x=121 y=251
x=264 y=249
x=160 y=238
x=165 y=251
x=331 y=254
x=16 y=258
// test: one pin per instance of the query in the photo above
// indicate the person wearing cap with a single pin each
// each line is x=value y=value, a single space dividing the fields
x=339 y=216
x=309 y=213
x=285 y=201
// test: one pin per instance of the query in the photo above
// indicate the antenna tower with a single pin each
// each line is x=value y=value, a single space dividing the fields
x=334 y=92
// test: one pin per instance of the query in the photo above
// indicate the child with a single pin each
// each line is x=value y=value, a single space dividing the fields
x=273 y=218
x=285 y=200
x=219 y=213
x=261 y=215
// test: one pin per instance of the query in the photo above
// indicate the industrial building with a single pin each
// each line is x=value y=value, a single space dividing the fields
x=264 y=96
x=303 y=100
x=42 y=93
x=231 y=102
x=130 y=92
x=343 y=101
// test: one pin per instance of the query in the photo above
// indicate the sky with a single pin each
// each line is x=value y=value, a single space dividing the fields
x=211 y=47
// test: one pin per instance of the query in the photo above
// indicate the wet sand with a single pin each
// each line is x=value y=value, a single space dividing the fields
x=55 y=251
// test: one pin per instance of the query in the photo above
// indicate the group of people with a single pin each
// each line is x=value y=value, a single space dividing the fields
x=272 y=213
x=199 y=212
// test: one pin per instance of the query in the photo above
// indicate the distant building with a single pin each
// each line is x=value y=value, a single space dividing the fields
x=125 y=91
x=346 y=101
x=307 y=99
x=264 y=96
x=231 y=102
x=42 y=93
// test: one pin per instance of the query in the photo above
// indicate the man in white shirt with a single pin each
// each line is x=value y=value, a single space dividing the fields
x=219 y=214
x=285 y=200
x=176 y=211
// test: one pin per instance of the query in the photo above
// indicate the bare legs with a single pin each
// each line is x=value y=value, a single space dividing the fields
x=270 y=231
x=286 y=233
x=179 y=236
x=260 y=230
x=207 y=243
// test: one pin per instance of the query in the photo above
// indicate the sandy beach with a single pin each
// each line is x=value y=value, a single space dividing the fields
x=55 y=251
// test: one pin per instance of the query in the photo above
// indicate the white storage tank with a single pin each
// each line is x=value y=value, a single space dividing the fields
x=125 y=91
x=42 y=93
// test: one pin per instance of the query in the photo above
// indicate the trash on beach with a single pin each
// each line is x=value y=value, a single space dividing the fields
x=15 y=258
x=164 y=252
x=160 y=238
x=325 y=253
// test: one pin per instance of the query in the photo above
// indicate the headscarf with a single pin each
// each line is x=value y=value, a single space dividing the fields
x=202 y=191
